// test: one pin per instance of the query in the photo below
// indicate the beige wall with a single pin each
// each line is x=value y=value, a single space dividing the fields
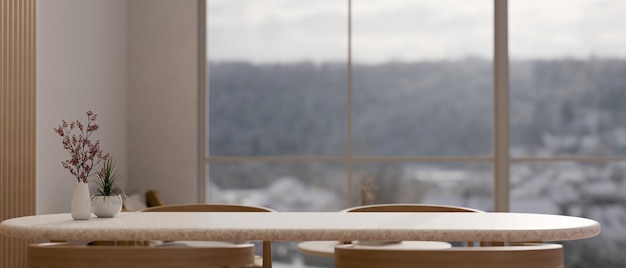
x=81 y=65
x=134 y=62
x=163 y=97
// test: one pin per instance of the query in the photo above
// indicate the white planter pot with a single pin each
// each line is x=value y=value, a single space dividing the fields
x=106 y=206
x=81 y=205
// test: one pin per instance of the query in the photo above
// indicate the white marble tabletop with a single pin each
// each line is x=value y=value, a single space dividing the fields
x=300 y=226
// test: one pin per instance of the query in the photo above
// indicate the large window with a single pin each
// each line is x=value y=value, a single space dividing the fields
x=568 y=122
x=320 y=105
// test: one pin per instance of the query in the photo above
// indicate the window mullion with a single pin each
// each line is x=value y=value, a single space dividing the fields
x=501 y=107
x=349 y=104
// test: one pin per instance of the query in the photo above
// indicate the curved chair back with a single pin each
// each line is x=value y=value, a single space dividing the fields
x=63 y=255
x=525 y=256
x=211 y=207
x=219 y=207
x=409 y=208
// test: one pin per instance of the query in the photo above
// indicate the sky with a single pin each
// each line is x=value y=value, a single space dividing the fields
x=411 y=30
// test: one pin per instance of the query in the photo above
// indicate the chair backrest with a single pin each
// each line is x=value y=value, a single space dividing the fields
x=525 y=256
x=62 y=255
x=409 y=208
x=218 y=207
x=211 y=207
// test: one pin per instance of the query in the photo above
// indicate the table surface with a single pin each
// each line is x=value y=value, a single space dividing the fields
x=301 y=226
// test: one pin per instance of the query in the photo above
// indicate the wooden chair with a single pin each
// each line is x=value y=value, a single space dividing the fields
x=215 y=207
x=523 y=256
x=63 y=255
x=410 y=208
x=326 y=248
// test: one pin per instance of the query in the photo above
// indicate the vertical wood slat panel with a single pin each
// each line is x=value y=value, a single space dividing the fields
x=17 y=121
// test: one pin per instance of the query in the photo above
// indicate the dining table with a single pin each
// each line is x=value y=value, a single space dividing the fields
x=305 y=226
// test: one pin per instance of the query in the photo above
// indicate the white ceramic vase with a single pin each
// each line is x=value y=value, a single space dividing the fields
x=106 y=206
x=81 y=204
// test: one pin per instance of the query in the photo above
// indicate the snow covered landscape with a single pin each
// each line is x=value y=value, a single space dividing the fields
x=559 y=108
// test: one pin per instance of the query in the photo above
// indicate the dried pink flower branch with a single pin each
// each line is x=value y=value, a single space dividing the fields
x=85 y=155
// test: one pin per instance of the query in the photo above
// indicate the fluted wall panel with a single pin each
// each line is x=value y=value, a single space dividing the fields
x=17 y=115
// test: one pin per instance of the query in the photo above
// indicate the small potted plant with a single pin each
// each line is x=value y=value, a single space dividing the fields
x=106 y=194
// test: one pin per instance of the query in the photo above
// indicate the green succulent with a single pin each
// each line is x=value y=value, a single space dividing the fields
x=107 y=183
